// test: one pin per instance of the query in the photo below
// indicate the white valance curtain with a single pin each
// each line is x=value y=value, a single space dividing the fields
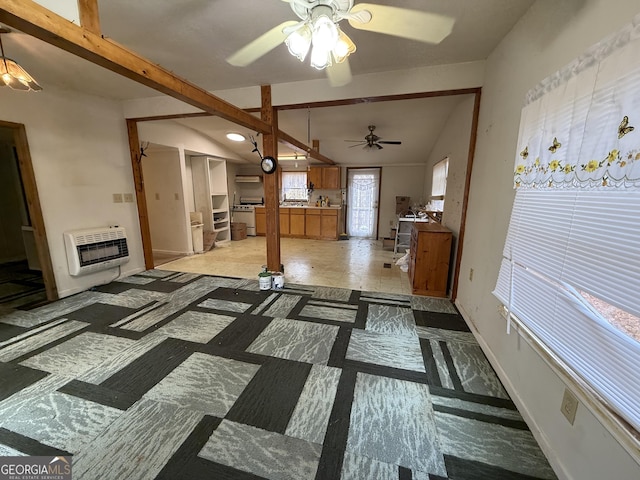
x=575 y=226
x=294 y=186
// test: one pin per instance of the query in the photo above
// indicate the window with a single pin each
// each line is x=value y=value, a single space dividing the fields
x=294 y=186
x=571 y=263
x=439 y=184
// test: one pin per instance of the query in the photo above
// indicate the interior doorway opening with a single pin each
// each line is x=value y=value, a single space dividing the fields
x=26 y=278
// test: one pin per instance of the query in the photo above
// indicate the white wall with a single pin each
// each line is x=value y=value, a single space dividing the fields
x=166 y=203
x=547 y=38
x=80 y=155
x=403 y=181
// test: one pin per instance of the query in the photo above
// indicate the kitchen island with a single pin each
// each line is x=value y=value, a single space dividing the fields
x=318 y=223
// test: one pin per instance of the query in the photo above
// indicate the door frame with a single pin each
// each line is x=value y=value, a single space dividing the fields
x=28 y=178
x=346 y=213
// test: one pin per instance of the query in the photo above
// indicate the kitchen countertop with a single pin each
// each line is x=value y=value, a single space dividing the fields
x=332 y=207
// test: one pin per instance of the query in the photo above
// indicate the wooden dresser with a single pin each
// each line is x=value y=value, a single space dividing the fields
x=430 y=251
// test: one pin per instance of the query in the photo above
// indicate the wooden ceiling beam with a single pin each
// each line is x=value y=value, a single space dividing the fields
x=37 y=21
x=291 y=142
x=89 y=15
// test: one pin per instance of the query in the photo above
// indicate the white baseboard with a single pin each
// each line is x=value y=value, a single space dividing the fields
x=171 y=252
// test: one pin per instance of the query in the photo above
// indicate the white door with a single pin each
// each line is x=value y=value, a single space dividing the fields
x=363 y=187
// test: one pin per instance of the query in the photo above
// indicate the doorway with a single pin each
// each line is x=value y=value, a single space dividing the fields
x=363 y=198
x=26 y=275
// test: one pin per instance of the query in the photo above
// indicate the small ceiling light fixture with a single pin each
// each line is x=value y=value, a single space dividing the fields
x=13 y=75
x=236 y=137
x=321 y=31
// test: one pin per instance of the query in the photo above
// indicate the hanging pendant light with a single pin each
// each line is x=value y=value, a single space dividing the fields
x=13 y=75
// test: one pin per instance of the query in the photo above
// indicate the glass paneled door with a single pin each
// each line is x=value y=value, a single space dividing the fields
x=363 y=195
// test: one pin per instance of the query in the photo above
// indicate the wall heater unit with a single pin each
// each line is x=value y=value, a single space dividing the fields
x=95 y=249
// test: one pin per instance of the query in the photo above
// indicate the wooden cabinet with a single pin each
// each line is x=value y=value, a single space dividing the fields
x=261 y=221
x=329 y=224
x=429 y=259
x=312 y=222
x=209 y=176
x=284 y=221
x=324 y=178
x=296 y=222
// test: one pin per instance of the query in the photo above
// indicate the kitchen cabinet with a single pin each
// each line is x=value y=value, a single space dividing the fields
x=297 y=222
x=209 y=176
x=261 y=221
x=313 y=218
x=284 y=221
x=329 y=224
x=430 y=251
x=324 y=178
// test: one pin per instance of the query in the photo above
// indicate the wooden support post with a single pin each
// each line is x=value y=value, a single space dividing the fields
x=271 y=195
x=89 y=17
x=316 y=145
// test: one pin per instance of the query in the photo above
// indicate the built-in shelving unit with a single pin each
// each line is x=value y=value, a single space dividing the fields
x=211 y=196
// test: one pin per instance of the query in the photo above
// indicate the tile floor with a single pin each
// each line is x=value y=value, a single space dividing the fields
x=351 y=264
x=172 y=375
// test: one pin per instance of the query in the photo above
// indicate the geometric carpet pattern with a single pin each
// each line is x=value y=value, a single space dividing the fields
x=182 y=376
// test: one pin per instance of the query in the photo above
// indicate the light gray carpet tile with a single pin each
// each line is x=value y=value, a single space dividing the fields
x=225 y=305
x=391 y=320
x=505 y=447
x=204 y=383
x=474 y=370
x=143 y=311
x=330 y=293
x=157 y=273
x=264 y=304
x=100 y=372
x=195 y=326
x=329 y=313
x=136 y=280
x=440 y=334
x=397 y=352
x=41 y=339
x=32 y=332
x=63 y=421
x=50 y=311
x=79 y=354
x=21 y=401
x=357 y=467
x=176 y=301
x=135 y=298
x=429 y=304
x=6 y=451
x=324 y=303
x=392 y=421
x=441 y=365
x=266 y=454
x=296 y=340
x=477 y=408
x=311 y=415
x=230 y=282
x=138 y=444
x=395 y=297
x=184 y=277
x=282 y=307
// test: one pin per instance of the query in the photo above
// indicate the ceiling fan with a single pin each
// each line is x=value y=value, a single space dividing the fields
x=319 y=31
x=373 y=141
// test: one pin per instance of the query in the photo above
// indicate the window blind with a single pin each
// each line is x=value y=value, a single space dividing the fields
x=439 y=182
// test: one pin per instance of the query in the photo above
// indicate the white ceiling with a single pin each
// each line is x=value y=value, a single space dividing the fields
x=193 y=37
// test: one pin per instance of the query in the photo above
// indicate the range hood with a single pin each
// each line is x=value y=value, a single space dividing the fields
x=248 y=178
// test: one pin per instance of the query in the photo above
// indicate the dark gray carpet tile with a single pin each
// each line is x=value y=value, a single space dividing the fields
x=16 y=377
x=271 y=396
x=160 y=285
x=472 y=397
x=447 y=321
x=239 y=295
x=462 y=469
x=115 y=287
x=505 y=422
x=28 y=445
x=335 y=440
x=241 y=332
x=99 y=394
x=340 y=346
x=100 y=314
x=453 y=373
x=383 y=371
x=430 y=363
x=143 y=373
x=9 y=331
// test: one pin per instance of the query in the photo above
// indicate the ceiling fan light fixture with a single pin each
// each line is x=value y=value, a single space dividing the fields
x=299 y=41
x=320 y=58
x=343 y=48
x=12 y=74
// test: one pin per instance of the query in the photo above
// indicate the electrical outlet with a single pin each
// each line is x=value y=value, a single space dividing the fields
x=471 y=274
x=128 y=197
x=569 y=406
x=117 y=198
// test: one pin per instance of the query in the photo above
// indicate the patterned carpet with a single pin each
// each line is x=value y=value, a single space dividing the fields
x=19 y=286
x=183 y=376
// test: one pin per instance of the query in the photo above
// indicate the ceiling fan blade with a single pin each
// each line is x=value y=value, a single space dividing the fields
x=339 y=74
x=378 y=146
x=357 y=144
x=401 y=22
x=390 y=142
x=260 y=46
